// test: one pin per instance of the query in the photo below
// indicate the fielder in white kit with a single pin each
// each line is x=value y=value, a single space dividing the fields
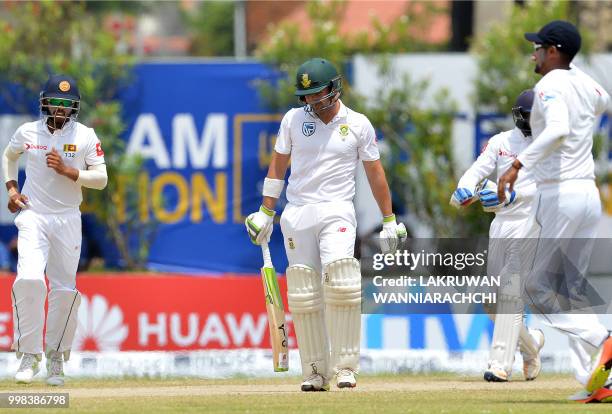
x=62 y=155
x=503 y=253
x=325 y=140
x=567 y=206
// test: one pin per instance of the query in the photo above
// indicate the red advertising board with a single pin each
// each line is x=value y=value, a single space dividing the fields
x=134 y=312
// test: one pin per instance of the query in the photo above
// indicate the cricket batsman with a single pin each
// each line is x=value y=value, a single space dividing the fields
x=567 y=206
x=503 y=258
x=62 y=156
x=325 y=140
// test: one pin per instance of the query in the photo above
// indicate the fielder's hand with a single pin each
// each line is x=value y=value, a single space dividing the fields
x=461 y=197
x=17 y=201
x=392 y=234
x=506 y=182
x=54 y=160
x=259 y=225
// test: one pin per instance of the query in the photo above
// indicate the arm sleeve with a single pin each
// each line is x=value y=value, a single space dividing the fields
x=94 y=154
x=283 y=140
x=368 y=145
x=603 y=100
x=10 y=167
x=94 y=177
x=556 y=115
x=484 y=165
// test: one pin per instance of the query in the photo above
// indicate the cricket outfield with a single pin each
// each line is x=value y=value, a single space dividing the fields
x=439 y=393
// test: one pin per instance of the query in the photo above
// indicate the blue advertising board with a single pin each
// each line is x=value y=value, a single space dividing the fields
x=207 y=139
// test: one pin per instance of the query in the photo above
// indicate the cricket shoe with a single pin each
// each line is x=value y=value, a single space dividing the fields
x=532 y=364
x=315 y=382
x=55 y=368
x=600 y=374
x=601 y=395
x=496 y=374
x=345 y=378
x=27 y=369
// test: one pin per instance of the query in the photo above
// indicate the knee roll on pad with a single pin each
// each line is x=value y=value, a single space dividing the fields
x=305 y=297
x=343 y=312
x=62 y=320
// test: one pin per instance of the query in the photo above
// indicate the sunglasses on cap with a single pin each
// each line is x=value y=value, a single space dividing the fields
x=66 y=103
x=538 y=46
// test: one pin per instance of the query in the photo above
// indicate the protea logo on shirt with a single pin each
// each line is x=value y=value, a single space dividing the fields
x=344 y=130
x=308 y=128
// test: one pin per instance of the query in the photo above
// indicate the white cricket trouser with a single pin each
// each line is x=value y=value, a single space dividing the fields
x=567 y=212
x=51 y=243
x=317 y=234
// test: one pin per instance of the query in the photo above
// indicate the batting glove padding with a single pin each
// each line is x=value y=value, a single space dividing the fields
x=461 y=197
x=490 y=201
x=259 y=225
x=392 y=234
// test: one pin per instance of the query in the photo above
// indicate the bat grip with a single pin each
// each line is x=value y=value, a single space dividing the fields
x=267 y=258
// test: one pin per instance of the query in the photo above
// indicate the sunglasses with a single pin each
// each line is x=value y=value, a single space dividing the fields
x=66 y=103
x=538 y=46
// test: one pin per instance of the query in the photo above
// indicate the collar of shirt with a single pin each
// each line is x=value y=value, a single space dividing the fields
x=342 y=114
x=59 y=132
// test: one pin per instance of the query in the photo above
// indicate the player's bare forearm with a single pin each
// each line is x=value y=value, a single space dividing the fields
x=378 y=184
x=277 y=170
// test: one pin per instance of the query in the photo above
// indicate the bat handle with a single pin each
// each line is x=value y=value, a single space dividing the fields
x=267 y=258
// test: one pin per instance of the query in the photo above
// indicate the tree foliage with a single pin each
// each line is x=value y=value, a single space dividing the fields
x=504 y=56
x=41 y=38
x=212 y=29
x=420 y=161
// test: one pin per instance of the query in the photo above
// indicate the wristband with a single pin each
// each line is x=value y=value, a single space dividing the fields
x=273 y=187
x=388 y=219
x=267 y=211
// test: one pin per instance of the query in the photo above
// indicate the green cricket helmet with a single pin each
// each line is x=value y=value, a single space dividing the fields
x=313 y=76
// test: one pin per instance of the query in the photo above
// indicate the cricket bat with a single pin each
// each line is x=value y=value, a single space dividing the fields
x=276 y=313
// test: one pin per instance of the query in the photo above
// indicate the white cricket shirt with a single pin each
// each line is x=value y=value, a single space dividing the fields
x=498 y=155
x=47 y=191
x=324 y=157
x=566 y=104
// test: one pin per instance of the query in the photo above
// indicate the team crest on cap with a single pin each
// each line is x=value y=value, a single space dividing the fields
x=344 y=130
x=305 y=81
x=308 y=128
x=64 y=86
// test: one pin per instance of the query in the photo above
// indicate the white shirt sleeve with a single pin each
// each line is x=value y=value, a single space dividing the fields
x=94 y=154
x=484 y=165
x=556 y=115
x=603 y=100
x=368 y=145
x=17 y=142
x=283 y=139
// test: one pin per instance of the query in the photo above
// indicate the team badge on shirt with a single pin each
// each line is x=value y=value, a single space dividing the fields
x=291 y=244
x=308 y=128
x=344 y=130
x=70 y=148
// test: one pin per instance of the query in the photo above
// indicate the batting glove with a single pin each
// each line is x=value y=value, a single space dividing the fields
x=490 y=201
x=461 y=197
x=392 y=234
x=259 y=225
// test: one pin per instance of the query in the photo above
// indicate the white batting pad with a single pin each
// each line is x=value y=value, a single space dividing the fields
x=305 y=297
x=28 y=297
x=342 y=279
x=62 y=320
x=508 y=323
